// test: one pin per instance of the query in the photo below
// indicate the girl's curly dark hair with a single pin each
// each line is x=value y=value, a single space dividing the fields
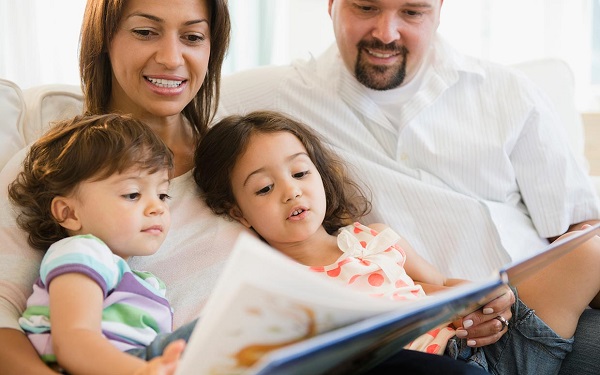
x=220 y=148
x=75 y=150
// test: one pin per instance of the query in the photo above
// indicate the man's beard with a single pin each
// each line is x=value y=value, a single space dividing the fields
x=380 y=77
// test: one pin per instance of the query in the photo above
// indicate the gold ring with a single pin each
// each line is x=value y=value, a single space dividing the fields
x=502 y=320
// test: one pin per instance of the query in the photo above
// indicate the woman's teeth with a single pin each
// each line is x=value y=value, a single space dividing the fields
x=164 y=82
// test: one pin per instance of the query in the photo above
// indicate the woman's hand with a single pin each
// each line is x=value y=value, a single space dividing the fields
x=484 y=326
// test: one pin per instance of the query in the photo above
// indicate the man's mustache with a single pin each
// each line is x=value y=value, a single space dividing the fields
x=378 y=45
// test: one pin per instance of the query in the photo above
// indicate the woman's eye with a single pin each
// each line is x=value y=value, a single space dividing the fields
x=264 y=190
x=164 y=197
x=193 y=38
x=143 y=33
x=300 y=174
x=132 y=196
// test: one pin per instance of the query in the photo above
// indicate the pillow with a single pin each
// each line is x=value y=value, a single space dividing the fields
x=47 y=104
x=12 y=115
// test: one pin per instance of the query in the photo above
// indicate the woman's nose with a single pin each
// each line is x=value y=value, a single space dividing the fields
x=169 y=53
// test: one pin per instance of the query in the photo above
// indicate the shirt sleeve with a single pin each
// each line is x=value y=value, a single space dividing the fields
x=554 y=185
x=86 y=255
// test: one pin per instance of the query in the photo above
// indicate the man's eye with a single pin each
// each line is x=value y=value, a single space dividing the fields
x=413 y=13
x=164 y=197
x=264 y=190
x=132 y=196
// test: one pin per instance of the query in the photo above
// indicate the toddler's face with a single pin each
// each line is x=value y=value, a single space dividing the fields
x=278 y=189
x=127 y=211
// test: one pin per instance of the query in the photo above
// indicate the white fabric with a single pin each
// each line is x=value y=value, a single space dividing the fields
x=481 y=175
x=189 y=261
x=12 y=115
x=49 y=103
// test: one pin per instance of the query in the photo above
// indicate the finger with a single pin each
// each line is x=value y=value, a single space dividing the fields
x=476 y=342
x=173 y=351
x=489 y=327
x=492 y=309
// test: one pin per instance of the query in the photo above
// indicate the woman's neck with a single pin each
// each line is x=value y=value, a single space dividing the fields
x=176 y=132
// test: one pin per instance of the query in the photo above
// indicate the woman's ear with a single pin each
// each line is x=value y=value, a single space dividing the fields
x=237 y=214
x=63 y=210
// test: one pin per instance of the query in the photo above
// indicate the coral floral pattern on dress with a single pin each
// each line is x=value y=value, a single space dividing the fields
x=373 y=263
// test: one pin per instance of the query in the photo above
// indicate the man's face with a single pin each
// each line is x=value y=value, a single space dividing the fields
x=384 y=42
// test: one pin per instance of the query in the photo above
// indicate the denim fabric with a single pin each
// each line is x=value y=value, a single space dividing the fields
x=584 y=359
x=156 y=347
x=529 y=347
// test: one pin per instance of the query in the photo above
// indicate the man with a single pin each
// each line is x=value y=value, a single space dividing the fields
x=464 y=158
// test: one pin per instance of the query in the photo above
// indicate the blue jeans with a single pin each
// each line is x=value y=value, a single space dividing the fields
x=529 y=347
x=583 y=360
x=156 y=347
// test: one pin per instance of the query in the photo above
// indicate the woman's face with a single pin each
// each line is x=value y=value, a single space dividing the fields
x=159 y=56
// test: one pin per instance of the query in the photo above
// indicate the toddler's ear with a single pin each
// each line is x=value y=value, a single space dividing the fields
x=237 y=214
x=63 y=210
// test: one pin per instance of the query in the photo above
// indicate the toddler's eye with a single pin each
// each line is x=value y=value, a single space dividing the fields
x=164 y=197
x=300 y=174
x=132 y=196
x=264 y=190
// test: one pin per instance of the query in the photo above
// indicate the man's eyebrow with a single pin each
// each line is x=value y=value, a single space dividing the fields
x=419 y=5
x=158 y=19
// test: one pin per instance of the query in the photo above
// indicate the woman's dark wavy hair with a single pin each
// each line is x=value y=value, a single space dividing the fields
x=220 y=148
x=84 y=148
x=100 y=22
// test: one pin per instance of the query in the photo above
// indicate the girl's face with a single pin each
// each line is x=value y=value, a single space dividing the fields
x=159 y=56
x=278 y=190
x=127 y=211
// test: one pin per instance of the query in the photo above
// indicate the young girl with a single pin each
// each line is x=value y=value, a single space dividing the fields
x=92 y=194
x=272 y=174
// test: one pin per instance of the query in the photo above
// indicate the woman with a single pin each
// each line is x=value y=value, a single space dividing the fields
x=159 y=61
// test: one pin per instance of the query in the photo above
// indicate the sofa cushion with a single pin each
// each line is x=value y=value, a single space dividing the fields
x=12 y=115
x=47 y=104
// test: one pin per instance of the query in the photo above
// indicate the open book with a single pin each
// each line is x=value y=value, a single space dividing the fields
x=270 y=315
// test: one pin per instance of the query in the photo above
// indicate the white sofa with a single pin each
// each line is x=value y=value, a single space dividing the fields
x=24 y=115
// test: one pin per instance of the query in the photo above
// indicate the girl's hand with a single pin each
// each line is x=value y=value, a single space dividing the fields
x=484 y=327
x=165 y=364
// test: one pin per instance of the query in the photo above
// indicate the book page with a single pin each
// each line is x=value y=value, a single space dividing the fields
x=265 y=301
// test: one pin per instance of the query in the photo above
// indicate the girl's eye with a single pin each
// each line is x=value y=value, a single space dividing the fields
x=132 y=196
x=300 y=174
x=264 y=190
x=164 y=197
